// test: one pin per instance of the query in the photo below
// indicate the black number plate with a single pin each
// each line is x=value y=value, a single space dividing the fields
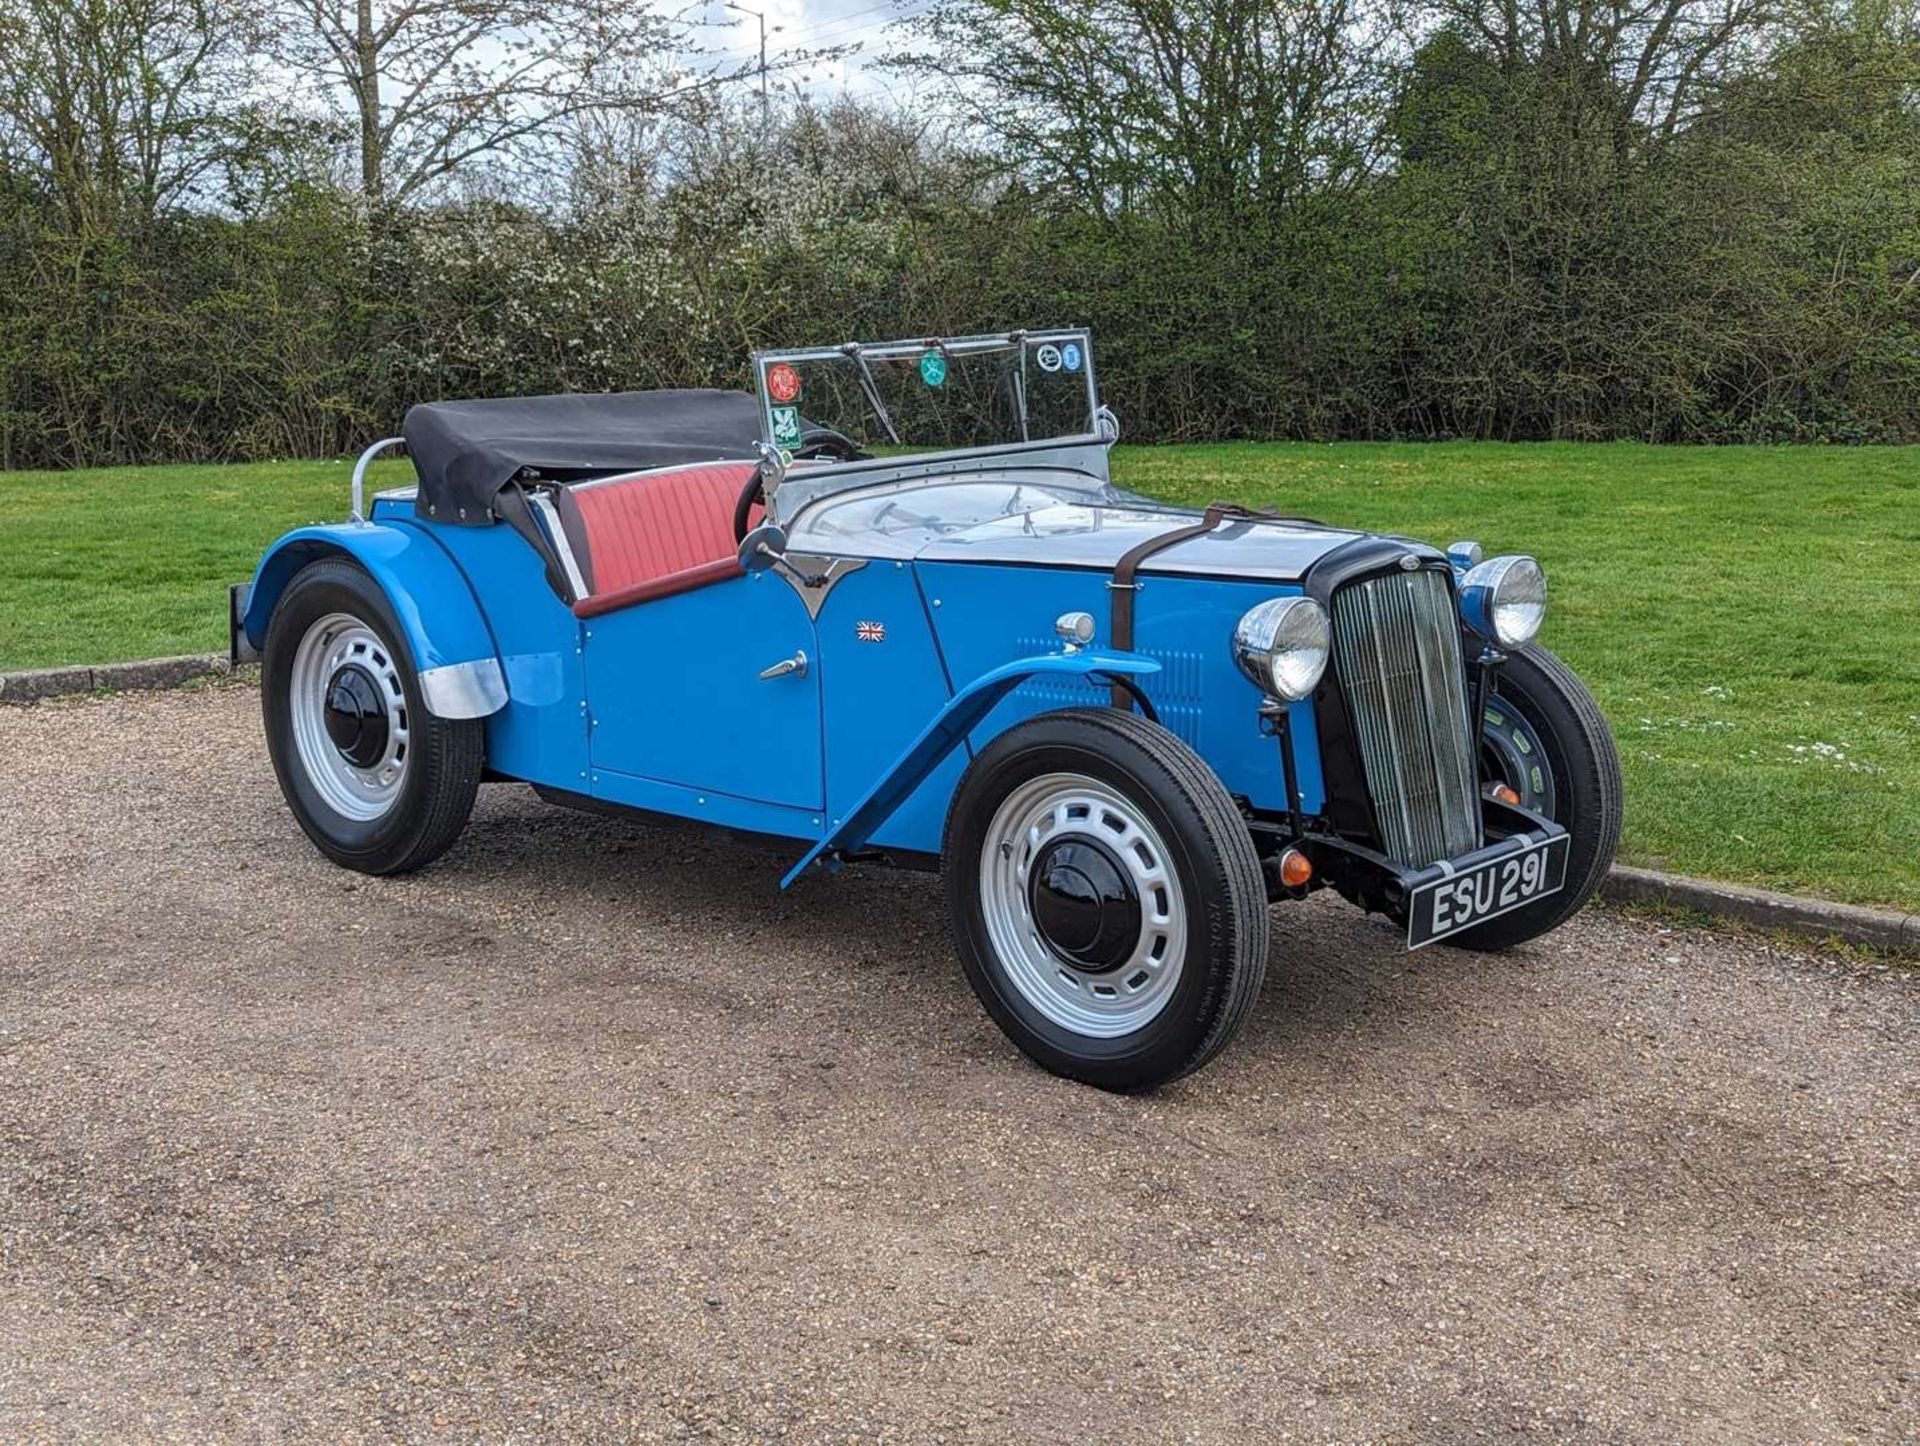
x=1486 y=891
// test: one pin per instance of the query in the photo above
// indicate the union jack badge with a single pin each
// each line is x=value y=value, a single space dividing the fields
x=870 y=632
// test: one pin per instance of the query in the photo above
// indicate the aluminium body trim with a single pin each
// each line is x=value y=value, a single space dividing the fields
x=464 y=690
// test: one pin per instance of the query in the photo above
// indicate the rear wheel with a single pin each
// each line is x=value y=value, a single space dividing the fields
x=1105 y=898
x=1544 y=737
x=377 y=782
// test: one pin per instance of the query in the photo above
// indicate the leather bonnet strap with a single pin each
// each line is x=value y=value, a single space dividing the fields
x=1125 y=588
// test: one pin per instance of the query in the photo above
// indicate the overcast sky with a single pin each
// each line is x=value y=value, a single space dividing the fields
x=815 y=25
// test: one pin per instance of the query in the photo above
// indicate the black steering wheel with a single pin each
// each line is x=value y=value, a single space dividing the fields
x=753 y=494
x=817 y=444
x=823 y=444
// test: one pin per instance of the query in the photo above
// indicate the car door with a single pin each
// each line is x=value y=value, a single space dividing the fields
x=715 y=690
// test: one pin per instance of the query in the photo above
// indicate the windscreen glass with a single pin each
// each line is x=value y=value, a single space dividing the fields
x=910 y=397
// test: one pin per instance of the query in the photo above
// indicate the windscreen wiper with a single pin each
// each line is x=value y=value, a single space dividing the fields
x=852 y=351
x=1019 y=339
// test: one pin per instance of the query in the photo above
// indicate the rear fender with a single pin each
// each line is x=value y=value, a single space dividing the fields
x=453 y=649
x=958 y=718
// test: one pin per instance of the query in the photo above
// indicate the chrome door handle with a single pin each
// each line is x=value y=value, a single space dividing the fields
x=796 y=666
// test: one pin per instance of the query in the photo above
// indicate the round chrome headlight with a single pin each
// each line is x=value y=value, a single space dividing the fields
x=1282 y=645
x=1504 y=599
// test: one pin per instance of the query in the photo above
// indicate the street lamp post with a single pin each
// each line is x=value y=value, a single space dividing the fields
x=761 y=17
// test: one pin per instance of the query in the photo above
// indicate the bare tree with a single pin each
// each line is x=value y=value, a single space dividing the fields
x=431 y=85
x=117 y=107
x=1662 y=57
x=1178 y=102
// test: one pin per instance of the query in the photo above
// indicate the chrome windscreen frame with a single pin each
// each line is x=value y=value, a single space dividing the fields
x=1083 y=452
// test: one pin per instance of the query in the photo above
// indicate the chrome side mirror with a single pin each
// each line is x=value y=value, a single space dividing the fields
x=762 y=548
x=765 y=550
x=1107 y=424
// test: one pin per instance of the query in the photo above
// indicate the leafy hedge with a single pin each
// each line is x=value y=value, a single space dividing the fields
x=1510 y=272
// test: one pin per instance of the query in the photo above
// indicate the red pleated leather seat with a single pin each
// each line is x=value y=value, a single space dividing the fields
x=652 y=534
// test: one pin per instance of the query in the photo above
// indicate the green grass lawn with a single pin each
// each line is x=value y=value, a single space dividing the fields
x=134 y=562
x=1749 y=617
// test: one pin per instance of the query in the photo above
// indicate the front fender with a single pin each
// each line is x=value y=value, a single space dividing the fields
x=962 y=712
x=453 y=649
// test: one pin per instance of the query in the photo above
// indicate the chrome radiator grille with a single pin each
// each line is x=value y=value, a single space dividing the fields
x=1396 y=653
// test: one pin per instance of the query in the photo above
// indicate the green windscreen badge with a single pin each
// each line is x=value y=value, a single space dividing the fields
x=933 y=368
x=786 y=428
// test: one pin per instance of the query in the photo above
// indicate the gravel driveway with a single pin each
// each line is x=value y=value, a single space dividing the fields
x=587 y=1132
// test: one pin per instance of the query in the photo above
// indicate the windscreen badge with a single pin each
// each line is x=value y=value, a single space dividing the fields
x=783 y=383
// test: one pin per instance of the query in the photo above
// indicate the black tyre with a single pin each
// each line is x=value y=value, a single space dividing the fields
x=1105 y=898
x=379 y=784
x=1545 y=737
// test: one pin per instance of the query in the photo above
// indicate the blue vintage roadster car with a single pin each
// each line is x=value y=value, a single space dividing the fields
x=892 y=607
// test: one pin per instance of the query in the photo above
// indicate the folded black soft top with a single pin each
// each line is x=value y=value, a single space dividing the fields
x=465 y=452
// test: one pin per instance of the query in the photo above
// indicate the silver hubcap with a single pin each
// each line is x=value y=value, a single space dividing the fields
x=339 y=651
x=1100 y=1002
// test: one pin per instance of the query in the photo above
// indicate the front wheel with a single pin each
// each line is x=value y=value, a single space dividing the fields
x=1105 y=898
x=1544 y=737
x=377 y=782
